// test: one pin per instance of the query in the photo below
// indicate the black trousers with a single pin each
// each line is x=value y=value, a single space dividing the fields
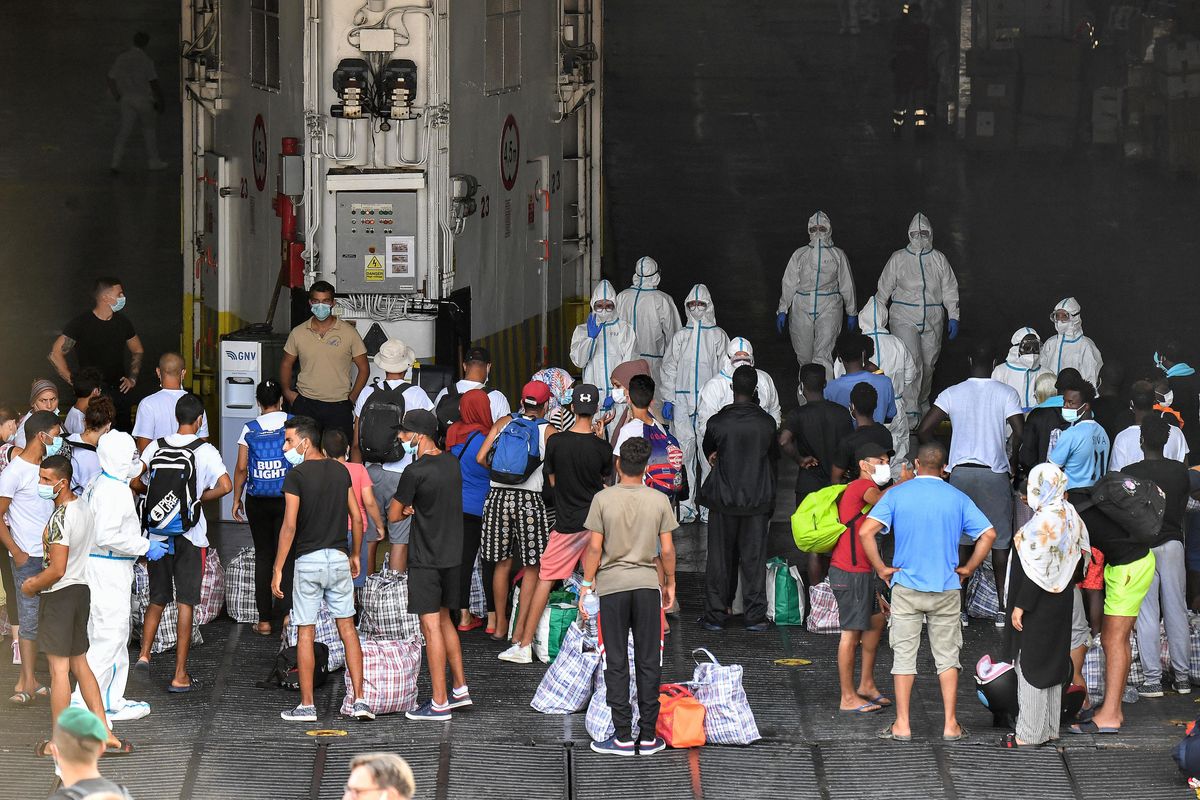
x=123 y=403
x=472 y=533
x=265 y=515
x=639 y=610
x=736 y=542
x=328 y=415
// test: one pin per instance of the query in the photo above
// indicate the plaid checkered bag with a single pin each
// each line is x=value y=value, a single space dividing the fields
x=1093 y=671
x=823 y=609
x=239 y=587
x=727 y=715
x=385 y=608
x=212 y=588
x=390 y=670
x=1194 y=650
x=478 y=599
x=140 y=591
x=327 y=633
x=567 y=684
x=599 y=716
x=1136 y=676
x=982 y=600
x=168 y=630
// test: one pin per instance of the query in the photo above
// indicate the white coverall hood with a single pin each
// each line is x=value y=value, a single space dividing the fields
x=700 y=292
x=1072 y=328
x=820 y=218
x=604 y=291
x=118 y=455
x=1014 y=352
x=738 y=344
x=646 y=274
x=920 y=223
x=873 y=317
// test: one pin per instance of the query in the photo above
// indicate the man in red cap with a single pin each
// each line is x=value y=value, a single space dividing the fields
x=515 y=523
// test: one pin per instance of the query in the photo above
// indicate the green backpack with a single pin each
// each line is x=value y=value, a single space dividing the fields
x=816 y=525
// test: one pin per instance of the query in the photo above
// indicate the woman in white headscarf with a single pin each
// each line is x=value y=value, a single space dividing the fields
x=1050 y=550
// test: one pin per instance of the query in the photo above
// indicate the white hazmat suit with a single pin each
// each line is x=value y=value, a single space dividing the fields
x=898 y=364
x=817 y=288
x=692 y=359
x=1021 y=371
x=119 y=542
x=1070 y=348
x=923 y=292
x=652 y=315
x=610 y=346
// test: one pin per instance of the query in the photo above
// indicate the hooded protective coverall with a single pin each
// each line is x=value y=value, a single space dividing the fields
x=922 y=290
x=1070 y=348
x=1021 y=371
x=612 y=345
x=894 y=361
x=817 y=288
x=119 y=542
x=653 y=316
x=693 y=357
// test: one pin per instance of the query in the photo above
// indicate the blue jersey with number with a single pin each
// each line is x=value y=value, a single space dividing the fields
x=1082 y=452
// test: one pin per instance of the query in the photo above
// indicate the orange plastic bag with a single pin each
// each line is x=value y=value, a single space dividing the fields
x=680 y=716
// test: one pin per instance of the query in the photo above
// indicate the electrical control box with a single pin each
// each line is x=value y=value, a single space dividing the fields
x=376 y=237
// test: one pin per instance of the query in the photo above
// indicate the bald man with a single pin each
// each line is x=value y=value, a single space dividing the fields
x=156 y=414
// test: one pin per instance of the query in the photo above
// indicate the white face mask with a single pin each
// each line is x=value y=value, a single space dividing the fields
x=618 y=394
x=1029 y=360
x=1168 y=398
x=696 y=312
x=881 y=474
x=1062 y=326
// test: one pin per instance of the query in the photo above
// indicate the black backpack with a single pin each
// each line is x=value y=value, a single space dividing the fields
x=447 y=411
x=172 y=502
x=379 y=424
x=286 y=673
x=1135 y=504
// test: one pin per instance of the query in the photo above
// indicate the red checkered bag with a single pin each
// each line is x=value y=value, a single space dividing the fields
x=390 y=670
x=212 y=588
x=823 y=609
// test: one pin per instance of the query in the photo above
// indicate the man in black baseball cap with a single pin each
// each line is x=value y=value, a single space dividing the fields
x=430 y=491
x=476 y=368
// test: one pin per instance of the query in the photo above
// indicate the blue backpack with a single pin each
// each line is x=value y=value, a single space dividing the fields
x=516 y=453
x=266 y=467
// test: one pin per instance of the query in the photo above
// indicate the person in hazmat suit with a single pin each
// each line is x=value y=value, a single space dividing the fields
x=817 y=288
x=1023 y=366
x=119 y=543
x=897 y=363
x=1068 y=347
x=692 y=359
x=652 y=315
x=922 y=289
x=603 y=342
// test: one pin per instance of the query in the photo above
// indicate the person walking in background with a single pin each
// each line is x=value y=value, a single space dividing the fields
x=99 y=338
x=156 y=413
x=464 y=440
x=852 y=350
x=133 y=82
x=1127 y=446
x=477 y=370
x=260 y=472
x=1185 y=392
x=603 y=341
x=1068 y=347
x=652 y=315
x=43 y=396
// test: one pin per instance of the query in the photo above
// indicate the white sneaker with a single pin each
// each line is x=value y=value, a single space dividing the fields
x=516 y=654
x=130 y=711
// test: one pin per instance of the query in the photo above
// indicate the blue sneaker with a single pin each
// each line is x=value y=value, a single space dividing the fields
x=362 y=711
x=655 y=745
x=708 y=626
x=758 y=627
x=300 y=714
x=428 y=712
x=615 y=747
x=459 y=700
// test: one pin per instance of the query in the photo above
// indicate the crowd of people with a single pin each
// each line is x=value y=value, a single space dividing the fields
x=671 y=422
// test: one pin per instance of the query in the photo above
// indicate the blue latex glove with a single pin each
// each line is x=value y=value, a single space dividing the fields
x=852 y=322
x=669 y=411
x=780 y=321
x=953 y=328
x=593 y=327
x=157 y=550
x=608 y=403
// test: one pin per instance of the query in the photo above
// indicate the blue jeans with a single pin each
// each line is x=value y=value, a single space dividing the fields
x=323 y=575
x=27 y=607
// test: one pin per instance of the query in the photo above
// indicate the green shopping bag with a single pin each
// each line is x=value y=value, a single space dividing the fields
x=786 y=598
x=560 y=613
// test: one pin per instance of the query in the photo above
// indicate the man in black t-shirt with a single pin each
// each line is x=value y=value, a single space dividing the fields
x=863 y=399
x=430 y=491
x=1166 y=601
x=100 y=338
x=318 y=498
x=577 y=463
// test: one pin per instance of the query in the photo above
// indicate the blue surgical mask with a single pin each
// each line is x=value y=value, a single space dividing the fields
x=120 y=304
x=1070 y=414
x=409 y=447
x=55 y=445
x=294 y=456
x=48 y=492
x=321 y=311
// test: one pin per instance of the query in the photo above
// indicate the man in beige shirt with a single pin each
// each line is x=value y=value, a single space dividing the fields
x=326 y=348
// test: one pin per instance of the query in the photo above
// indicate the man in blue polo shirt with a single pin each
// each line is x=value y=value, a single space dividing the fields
x=926 y=515
x=852 y=348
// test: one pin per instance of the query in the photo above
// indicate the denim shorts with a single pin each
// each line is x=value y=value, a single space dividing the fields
x=27 y=607
x=323 y=575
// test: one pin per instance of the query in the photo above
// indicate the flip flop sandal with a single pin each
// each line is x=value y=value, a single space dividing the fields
x=193 y=683
x=40 y=750
x=886 y=733
x=475 y=622
x=865 y=708
x=963 y=733
x=42 y=692
x=124 y=749
x=1091 y=727
x=142 y=667
x=881 y=701
x=21 y=699
x=1009 y=742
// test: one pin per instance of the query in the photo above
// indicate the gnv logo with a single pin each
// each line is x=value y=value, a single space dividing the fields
x=240 y=355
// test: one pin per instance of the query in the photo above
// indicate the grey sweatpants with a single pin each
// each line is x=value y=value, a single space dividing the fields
x=1040 y=711
x=1166 y=601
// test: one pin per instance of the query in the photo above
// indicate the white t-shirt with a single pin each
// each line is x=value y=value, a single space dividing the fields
x=209 y=469
x=85 y=464
x=74 y=422
x=1127 y=447
x=27 y=514
x=72 y=526
x=271 y=421
x=631 y=429
x=535 y=481
x=979 y=409
x=499 y=403
x=414 y=397
x=132 y=72
x=156 y=416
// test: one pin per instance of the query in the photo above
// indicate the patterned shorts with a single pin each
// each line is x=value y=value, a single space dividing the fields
x=514 y=526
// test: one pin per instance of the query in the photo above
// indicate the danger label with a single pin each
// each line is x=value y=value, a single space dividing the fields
x=373 y=269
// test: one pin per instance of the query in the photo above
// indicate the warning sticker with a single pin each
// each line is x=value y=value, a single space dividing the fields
x=373 y=269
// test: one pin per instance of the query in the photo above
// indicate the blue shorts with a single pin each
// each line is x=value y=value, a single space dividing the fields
x=323 y=575
x=27 y=607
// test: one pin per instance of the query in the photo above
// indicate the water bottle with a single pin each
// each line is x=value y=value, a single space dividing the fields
x=591 y=607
